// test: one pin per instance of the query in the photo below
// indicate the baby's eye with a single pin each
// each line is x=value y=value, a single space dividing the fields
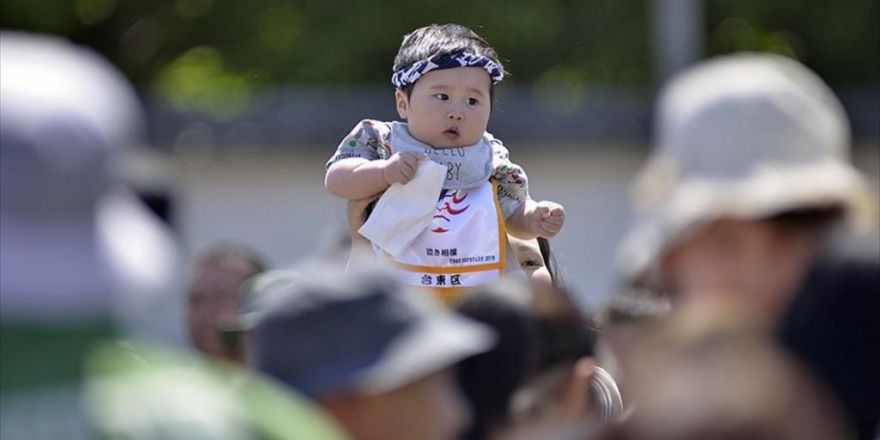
x=531 y=263
x=473 y=101
x=442 y=96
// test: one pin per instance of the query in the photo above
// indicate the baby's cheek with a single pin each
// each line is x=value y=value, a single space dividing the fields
x=541 y=275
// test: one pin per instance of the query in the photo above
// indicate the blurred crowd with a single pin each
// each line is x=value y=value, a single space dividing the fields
x=748 y=301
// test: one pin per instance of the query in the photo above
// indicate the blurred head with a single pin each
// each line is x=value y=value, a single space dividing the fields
x=626 y=319
x=214 y=296
x=255 y=298
x=447 y=101
x=490 y=379
x=75 y=244
x=66 y=114
x=542 y=366
x=565 y=375
x=742 y=141
x=373 y=352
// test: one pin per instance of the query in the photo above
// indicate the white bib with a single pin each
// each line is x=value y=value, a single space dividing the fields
x=463 y=247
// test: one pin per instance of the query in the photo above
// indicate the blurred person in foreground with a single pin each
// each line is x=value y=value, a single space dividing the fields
x=371 y=352
x=747 y=199
x=255 y=298
x=81 y=259
x=541 y=380
x=702 y=375
x=90 y=334
x=626 y=319
x=214 y=295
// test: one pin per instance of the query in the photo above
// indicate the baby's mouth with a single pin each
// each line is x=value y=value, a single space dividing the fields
x=451 y=133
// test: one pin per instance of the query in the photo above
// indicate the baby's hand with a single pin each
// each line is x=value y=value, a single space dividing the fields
x=400 y=168
x=547 y=218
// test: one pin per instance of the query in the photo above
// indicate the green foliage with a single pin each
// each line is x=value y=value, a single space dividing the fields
x=199 y=80
x=838 y=39
x=342 y=42
x=201 y=52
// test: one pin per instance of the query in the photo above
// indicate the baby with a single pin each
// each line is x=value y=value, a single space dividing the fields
x=444 y=77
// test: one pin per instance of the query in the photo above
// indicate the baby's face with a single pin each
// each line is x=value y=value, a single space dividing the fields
x=448 y=107
x=528 y=253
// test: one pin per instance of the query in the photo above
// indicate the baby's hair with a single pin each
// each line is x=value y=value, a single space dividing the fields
x=550 y=262
x=441 y=39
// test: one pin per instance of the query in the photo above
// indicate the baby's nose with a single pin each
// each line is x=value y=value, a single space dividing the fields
x=455 y=116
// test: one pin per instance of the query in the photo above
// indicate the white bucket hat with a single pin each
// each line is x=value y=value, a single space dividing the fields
x=741 y=136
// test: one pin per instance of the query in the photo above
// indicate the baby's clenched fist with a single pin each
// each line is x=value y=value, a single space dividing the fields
x=548 y=218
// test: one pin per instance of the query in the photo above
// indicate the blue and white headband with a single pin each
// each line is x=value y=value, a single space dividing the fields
x=410 y=74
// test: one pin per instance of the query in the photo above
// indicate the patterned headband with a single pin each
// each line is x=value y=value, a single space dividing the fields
x=409 y=74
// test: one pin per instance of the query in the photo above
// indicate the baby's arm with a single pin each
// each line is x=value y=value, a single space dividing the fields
x=363 y=166
x=536 y=219
x=525 y=218
x=357 y=178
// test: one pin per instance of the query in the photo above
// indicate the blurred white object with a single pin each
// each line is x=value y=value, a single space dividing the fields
x=75 y=245
x=606 y=395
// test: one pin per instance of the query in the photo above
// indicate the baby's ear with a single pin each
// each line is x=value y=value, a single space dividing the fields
x=402 y=103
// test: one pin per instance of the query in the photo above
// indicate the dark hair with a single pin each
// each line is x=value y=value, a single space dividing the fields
x=816 y=218
x=539 y=328
x=441 y=39
x=550 y=262
x=488 y=380
x=565 y=332
x=831 y=324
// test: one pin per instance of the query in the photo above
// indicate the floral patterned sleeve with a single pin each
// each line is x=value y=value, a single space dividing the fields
x=513 y=184
x=367 y=140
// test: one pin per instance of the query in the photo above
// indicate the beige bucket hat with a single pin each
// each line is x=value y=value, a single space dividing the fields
x=741 y=136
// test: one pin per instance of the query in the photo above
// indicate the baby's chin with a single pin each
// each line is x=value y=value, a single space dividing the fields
x=453 y=142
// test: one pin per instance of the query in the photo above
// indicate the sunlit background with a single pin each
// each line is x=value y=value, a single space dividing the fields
x=246 y=100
